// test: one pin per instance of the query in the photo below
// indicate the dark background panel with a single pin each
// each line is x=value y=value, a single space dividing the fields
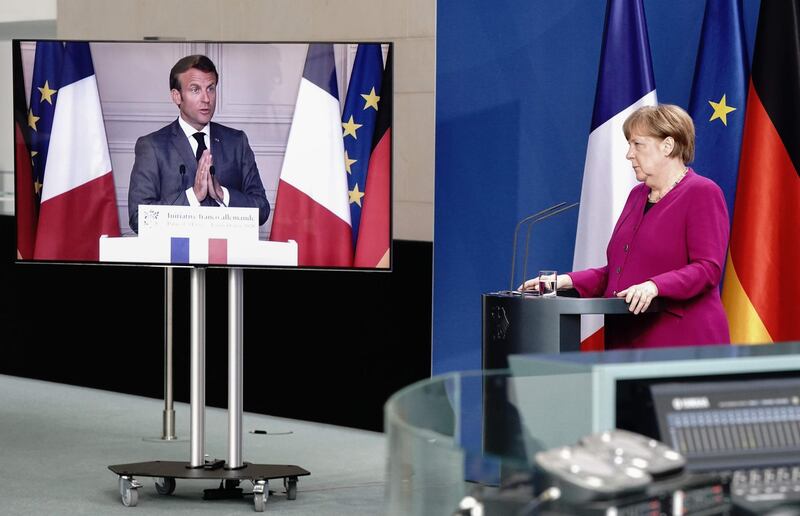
x=318 y=345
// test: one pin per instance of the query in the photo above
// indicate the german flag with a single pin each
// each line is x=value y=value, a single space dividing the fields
x=26 y=200
x=762 y=278
x=373 y=248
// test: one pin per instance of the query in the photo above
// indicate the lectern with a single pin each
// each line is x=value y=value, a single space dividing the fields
x=515 y=323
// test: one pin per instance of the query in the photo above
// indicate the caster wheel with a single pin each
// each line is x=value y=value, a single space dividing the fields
x=128 y=493
x=165 y=486
x=259 y=501
x=291 y=488
x=260 y=495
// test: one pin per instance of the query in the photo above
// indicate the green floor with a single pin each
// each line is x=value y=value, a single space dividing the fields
x=56 y=442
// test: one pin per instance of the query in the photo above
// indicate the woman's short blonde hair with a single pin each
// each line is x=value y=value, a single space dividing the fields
x=662 y=121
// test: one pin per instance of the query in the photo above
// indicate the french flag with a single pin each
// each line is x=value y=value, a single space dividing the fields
x=78 y=198
x=312 y=206
x=624 y=84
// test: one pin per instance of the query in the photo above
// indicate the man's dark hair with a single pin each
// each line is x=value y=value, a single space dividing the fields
x=198 y=62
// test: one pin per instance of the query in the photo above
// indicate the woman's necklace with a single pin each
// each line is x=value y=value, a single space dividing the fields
x=655 y=198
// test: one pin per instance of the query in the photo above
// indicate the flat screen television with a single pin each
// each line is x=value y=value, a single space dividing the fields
x=204 y=153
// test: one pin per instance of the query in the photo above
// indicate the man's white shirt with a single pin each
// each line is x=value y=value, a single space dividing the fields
x=190 y=131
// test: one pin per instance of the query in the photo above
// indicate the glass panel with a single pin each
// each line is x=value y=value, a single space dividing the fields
x=475 y=433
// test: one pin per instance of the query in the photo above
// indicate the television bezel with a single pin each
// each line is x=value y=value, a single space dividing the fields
x=157 y=41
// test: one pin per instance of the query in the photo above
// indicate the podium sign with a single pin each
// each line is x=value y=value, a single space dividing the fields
x=198 y=235
x=196 y=222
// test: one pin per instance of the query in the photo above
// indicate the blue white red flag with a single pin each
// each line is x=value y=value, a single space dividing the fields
x=625 y=83
x=78 y=201
x=312 y=205
x=26 y=201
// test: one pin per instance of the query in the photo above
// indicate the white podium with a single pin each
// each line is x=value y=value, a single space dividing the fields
x=201 y=235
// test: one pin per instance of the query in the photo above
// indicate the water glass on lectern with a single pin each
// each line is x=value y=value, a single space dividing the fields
x=547 y=283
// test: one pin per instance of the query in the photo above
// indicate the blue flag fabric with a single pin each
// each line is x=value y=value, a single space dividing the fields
x=45 y=83
x=77 y=63
x=361 y=106
x=719 y=94
x=321 y=68
x=626 y=72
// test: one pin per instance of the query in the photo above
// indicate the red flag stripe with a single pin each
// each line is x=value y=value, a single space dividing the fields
x=218 y=251
x=596 y=341
x=25 y=207
x=76 y=219
x=323 y=239
x=373 y=238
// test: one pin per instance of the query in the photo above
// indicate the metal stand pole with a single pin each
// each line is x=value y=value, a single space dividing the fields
x=235 y=470
x=168 y=427
x=197 y=384
x=235 y=337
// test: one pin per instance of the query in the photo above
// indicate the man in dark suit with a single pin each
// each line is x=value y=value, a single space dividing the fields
x=194 y=161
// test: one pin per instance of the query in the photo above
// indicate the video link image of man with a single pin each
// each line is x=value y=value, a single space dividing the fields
x=193 y=161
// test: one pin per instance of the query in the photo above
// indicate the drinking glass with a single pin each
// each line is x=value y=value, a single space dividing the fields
x=547 y=283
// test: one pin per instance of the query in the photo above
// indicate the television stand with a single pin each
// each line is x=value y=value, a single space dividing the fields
x=233 y=471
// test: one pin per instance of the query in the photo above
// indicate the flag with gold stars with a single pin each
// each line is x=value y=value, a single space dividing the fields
x=78 y=199
x=762 y=275
x=312 y=206
x=358 y=122
x=47 y=64
x=719 y=93
x=26 y=200
x=373 y=248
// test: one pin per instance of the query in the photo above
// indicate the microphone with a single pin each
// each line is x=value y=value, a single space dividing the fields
x=535 y=218
x=182 y=172
x=516 y=233
x=213 y=173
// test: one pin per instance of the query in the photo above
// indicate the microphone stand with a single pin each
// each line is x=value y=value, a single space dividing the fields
x=516 y=234
x=533 y=219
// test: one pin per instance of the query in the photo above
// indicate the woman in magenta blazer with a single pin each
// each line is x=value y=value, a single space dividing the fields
x=669 y=242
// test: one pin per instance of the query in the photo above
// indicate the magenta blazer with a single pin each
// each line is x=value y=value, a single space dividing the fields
x=680 y=244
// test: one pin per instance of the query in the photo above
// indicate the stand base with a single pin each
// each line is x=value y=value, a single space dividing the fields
x=175 y=469
x=166 y=472
x=172 y=439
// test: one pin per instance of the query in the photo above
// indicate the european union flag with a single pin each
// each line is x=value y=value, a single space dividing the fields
x=360 y=111
x=719 y=95
x=46 y=81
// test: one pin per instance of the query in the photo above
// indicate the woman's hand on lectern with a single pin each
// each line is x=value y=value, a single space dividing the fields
x=639 y=296
x=563 y=281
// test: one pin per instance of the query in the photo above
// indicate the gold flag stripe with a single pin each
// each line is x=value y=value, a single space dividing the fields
x=743 y=320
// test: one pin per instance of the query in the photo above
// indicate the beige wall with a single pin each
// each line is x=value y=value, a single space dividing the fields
x=411 y=24
x=25 y=10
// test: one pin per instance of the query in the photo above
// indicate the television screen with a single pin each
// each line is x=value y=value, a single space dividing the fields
x=204 y=153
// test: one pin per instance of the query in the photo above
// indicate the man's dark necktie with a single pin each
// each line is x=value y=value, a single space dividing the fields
x=201 y=144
